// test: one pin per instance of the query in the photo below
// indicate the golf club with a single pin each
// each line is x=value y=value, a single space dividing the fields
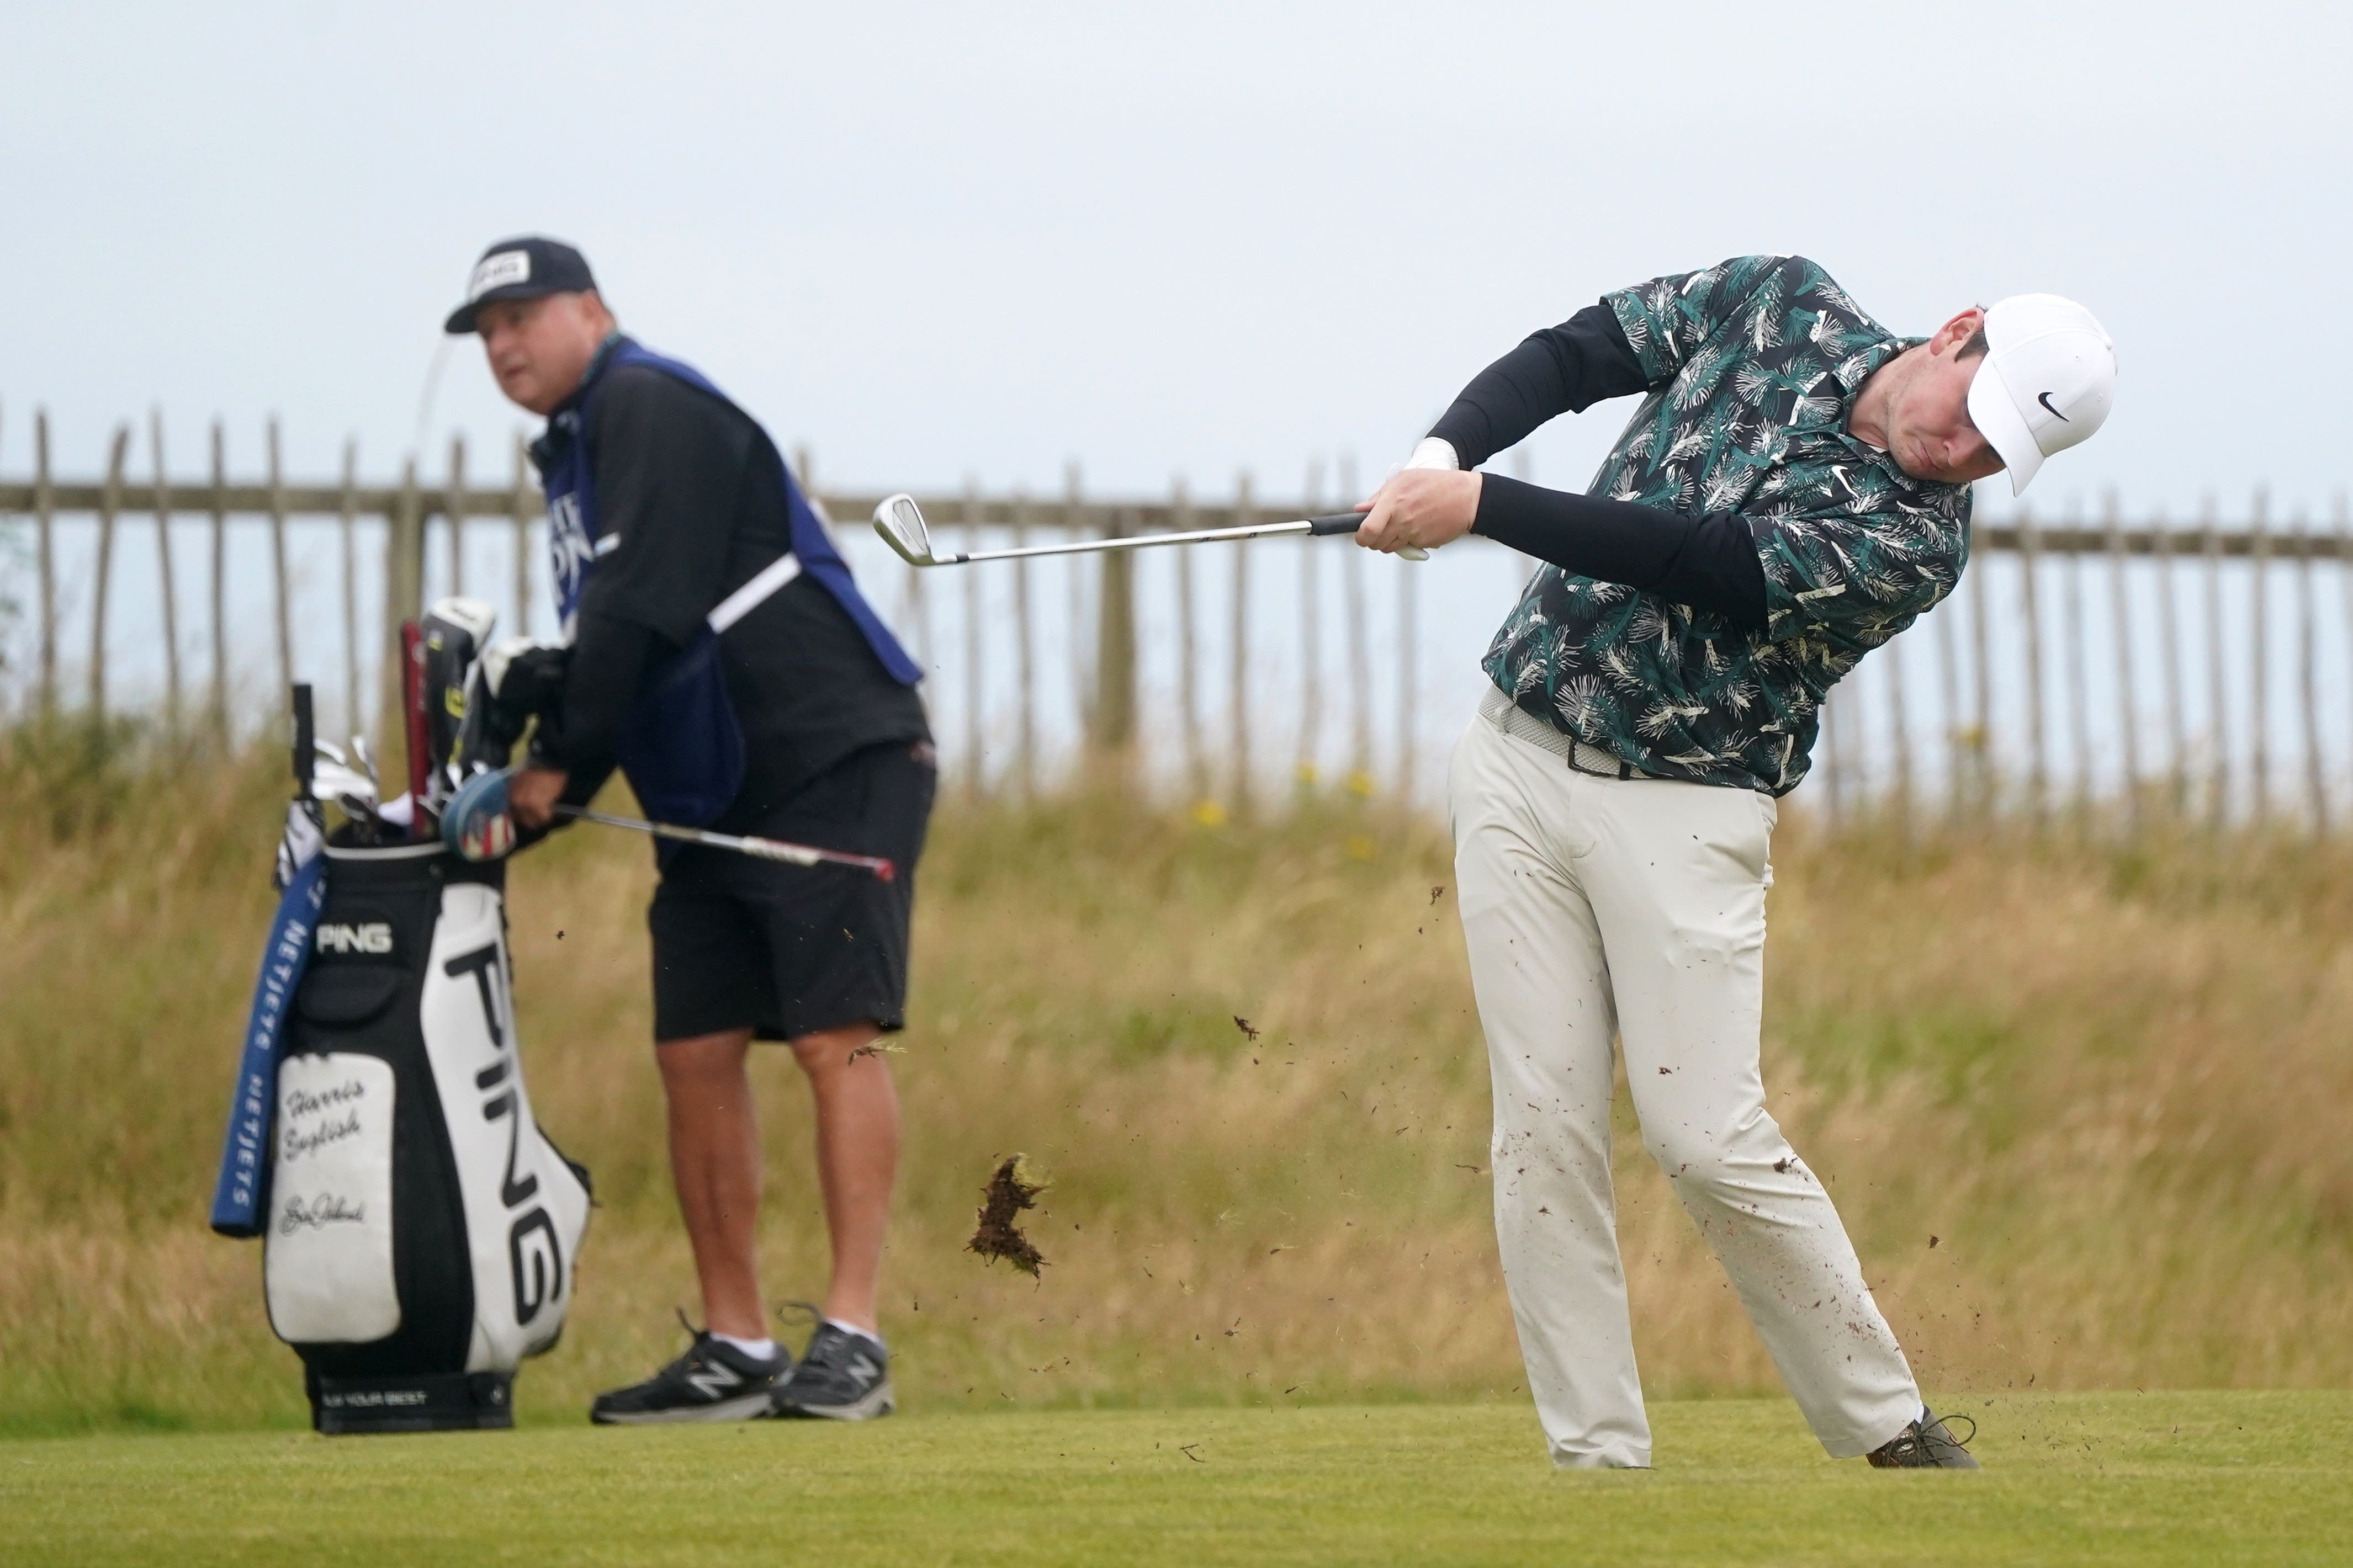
x=899 y=521
x=365 y=758
x=743 y=844
x=479 y=826
x=412 y=708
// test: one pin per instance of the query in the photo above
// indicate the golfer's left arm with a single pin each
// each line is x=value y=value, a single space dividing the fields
x=1708 y=561
x=1865 y=567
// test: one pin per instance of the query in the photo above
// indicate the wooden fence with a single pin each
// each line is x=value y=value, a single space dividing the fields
x=2064 y=675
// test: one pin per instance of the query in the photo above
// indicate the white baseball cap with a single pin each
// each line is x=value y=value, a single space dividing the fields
x=2048 y=380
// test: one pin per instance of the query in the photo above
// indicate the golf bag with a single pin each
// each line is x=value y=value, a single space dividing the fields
x=420 y=1232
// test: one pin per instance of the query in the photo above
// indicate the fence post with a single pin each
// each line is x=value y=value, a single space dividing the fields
x=109 y=504
x=1948 y=698
x=220 y=585
x=1899 y=720
x=278 y=567
x=2078 y=674
x=1189 y=684
x=2218 y=800
x=1238 y=667
x=455 y=505
x=1311 y=636
x=1024 y=634
x=915 y=611
x=519 y=509
x=1409 y=679
x=2316 y=779
x=1833 y=774
x=1116 y=692
x=44 y=508
x=2038 y=771
x=2343 y=517
x=2168 y=636
x=1074 y=526
x=403 y=595
x=1981 y=679
x=2121 y=607
x=1360 y=650
x=171 y=605
x=347 y=523
x=2259 y=559
x=974 y=694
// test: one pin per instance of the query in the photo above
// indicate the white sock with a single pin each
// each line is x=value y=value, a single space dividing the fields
x=758 y=1350
x=867 y=1334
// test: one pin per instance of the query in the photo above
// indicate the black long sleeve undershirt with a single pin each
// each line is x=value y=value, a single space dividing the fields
x=1707 y=560
x=1564 y=369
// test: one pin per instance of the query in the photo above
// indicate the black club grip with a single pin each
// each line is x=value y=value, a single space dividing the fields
x=1337 y=522
x=305 y=740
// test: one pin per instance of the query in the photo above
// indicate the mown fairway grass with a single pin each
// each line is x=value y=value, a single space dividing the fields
x=2078 y=1478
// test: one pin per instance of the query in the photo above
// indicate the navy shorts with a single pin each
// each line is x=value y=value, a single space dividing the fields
x=787 y=951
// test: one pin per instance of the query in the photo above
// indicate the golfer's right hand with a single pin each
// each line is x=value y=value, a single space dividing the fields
x=532 y=795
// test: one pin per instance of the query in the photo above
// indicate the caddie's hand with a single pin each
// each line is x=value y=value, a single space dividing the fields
x=1419 y=506
x=532 y=795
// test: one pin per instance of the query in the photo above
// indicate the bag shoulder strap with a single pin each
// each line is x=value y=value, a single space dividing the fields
x=754 y=594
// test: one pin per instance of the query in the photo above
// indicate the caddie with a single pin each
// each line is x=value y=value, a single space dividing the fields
x=721 y=657
x=1792 y=491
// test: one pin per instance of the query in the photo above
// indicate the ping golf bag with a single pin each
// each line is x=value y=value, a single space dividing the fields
x=420 y=1232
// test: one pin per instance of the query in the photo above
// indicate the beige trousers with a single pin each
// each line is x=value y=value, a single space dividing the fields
x=1594 y=908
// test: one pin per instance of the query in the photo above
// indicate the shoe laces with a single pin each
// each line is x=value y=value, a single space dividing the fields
x=1946 y=1423
x=701 y=1338
x=827 y=1344
x=1916 y=1437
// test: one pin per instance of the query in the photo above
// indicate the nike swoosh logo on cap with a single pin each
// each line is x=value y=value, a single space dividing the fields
x=2044 y=399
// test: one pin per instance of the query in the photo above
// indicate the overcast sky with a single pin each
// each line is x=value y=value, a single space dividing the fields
x=940 y=241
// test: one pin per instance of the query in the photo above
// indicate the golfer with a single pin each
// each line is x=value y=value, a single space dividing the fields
x=1792 y=492
x=798 y=720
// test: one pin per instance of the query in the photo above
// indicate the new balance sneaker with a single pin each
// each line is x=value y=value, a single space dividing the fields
x=713 y=1380
x=845 y=1376
x=1927 y=1444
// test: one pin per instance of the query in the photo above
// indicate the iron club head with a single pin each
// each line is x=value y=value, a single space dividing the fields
x=899 y=521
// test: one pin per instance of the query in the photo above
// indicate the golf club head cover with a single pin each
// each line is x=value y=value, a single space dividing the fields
x=516 y=680
x=454 y=630
x=475 y=824
x=305 y=836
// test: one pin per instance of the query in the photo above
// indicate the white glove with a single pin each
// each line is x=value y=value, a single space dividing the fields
x=1435 y=452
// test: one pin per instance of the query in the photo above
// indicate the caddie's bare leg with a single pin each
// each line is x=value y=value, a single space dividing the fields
x=715 y=1161
x=856 y=1161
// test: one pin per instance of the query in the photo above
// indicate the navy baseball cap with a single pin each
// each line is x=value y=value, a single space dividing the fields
x=522 y=268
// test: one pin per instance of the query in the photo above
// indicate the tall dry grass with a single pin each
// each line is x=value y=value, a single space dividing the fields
x=2112 y=1085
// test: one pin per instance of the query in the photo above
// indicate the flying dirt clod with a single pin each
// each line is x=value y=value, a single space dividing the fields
x=1014 y=1188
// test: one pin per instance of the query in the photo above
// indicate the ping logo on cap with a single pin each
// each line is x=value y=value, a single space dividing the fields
x=498 y=270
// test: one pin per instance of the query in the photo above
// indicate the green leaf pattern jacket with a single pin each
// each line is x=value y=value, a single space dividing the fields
x=1752 y=366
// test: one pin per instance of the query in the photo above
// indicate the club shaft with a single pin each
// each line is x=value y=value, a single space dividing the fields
x=764 y=849
x=1133 y=542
